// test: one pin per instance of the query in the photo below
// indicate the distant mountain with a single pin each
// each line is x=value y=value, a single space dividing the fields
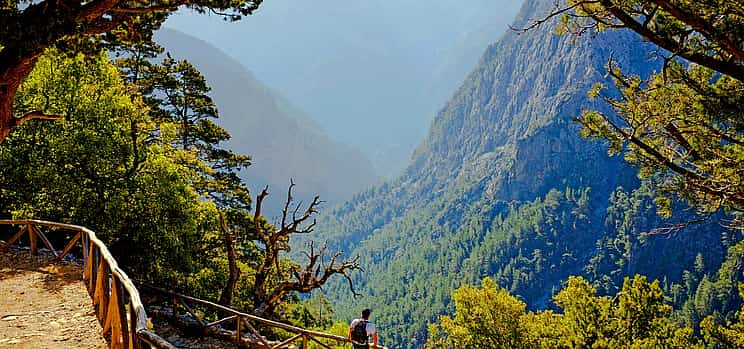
x=283 y=142
x=504 y=187
x=371 y=72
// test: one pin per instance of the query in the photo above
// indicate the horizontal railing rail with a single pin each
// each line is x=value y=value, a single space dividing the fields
x=241 y=319
x=109 y=287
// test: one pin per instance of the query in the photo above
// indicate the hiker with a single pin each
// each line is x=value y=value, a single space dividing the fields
x=360 y=330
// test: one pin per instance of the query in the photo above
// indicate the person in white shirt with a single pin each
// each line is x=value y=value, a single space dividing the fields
x=361 y=329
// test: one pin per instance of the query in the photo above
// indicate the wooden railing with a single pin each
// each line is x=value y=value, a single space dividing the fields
x=112 y=291
x=242 y=321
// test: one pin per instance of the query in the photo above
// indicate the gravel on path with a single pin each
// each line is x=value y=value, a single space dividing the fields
x=44 y=304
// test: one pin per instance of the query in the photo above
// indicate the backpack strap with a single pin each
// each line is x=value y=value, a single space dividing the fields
x=363 y=322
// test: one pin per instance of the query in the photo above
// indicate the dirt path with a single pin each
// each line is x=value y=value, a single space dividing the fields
x=45 y=305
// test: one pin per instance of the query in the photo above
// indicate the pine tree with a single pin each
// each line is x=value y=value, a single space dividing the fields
x=28 y=28
x=682 y=126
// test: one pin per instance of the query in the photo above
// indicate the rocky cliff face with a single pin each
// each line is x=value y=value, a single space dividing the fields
x=517 y=106
x=507 y=132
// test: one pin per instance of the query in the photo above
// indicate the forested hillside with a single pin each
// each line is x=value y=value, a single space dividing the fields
x=283 y=142
x=503 y=186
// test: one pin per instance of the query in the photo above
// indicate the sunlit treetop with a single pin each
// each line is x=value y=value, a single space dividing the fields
x=27 y=28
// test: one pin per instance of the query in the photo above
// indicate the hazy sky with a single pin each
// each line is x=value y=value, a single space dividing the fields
x=371 y=72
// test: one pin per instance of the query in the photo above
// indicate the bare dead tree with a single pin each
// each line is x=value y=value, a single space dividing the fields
x=275 y=240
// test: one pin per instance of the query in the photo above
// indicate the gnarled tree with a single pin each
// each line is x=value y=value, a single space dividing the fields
x=314 y=274
x=27 y=28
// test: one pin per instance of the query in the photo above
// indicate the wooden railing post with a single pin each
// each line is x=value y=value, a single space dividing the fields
x=174 y=305
x=32 y=239
x=86 y=246
x=110 y=312
x=90 y=268
x=304 y=341
x=237 y=331
x=122 y=314
x=101 y=295
x=135 y=343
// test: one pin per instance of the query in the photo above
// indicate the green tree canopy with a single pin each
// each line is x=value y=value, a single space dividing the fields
x=636 y=317
x=168 y=211
x=27 y=28
x=99 y=168
x=486 y=317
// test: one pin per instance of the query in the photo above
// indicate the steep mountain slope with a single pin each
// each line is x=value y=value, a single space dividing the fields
x=504 y=187
x=507 y=133
x=283 y=142
x=372 y=73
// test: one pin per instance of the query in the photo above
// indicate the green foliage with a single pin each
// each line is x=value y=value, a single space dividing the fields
x=28 y=29
x=314 y=312
x=530 y=249
x=586 y=315
x=98 y=168
x=729 y=336
x=681 y=127
x=128 y=172
x=178 y=99
x=714 y=297
x=489 y=317
x=486 y=317
x=339 y=328
x=680 y=132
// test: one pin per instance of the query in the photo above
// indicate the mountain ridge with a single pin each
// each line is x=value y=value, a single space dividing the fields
x=368 y=71
x=283 y=142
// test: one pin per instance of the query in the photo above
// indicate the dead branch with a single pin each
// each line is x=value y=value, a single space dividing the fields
x=230 y=241
x=257 y=215
x=275 y=240
x=312 y=276
x=558 y=10
x=679 y=226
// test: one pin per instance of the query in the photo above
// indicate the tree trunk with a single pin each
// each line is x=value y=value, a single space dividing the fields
x=13 y=70
x=234 y=271
x=266 y=308
x=6 y=112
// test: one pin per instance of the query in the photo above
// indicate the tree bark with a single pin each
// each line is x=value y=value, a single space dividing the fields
x=13 y=70
x=228 y=238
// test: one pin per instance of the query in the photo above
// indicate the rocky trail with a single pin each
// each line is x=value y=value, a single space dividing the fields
x=44 y=304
